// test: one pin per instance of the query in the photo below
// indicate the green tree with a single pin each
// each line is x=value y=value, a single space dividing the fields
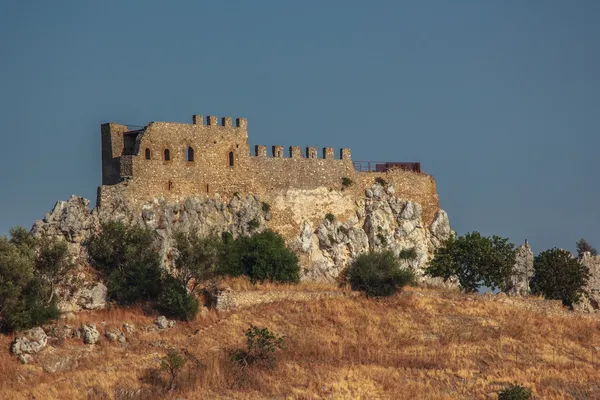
x=52 y=261
x=173 y=363
x=559 y=276
x=197 y=258
x=378 y=274
x=128 y=257
x=175 y=301
x=583 y=246
x=25 y=296
x=474 y=260
x=261 y=346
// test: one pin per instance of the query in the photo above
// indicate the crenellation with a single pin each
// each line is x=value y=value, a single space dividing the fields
x=311 y=152
x=260 y=150
x=345 y=154
x=226 y=122
x=241 y=123
x=211 y=120
x=277 y=151
x=295 y=152
x=197 y=119
x=328 y=153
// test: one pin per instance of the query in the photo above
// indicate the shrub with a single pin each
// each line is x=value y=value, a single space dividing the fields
x=475 y=260
x=253 y=224
x=128 y=258
x=262 y=256
x=266 y=207
x=514 y=392
x=261 y=346
x=346 y=182
x=173 y=363
x=380 y=181
x=408 y=254
x=26 y=296
x=378 y=274
x=176 y=302
x=197 y=258
x=559 y=276
x=583 y=246
x=330 y=217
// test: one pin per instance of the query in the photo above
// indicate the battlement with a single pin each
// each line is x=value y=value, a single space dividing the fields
x=260 y=150
x=226 y=122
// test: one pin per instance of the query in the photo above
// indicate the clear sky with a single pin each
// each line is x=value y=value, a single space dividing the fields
x=499 y=100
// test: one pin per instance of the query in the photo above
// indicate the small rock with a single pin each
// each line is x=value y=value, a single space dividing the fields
x=90 y=334
x=33 y=341
x=128 y=328
x=25 y=358
x=162 y=322
x=171 y=324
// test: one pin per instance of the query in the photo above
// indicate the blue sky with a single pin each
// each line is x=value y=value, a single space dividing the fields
x=499 y=100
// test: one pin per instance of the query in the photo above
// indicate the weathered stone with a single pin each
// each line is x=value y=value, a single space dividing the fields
x=518 y=282
x=25 y=358
x=90 y=334
x=162 y=322
x=590 y=301
x=32 y=341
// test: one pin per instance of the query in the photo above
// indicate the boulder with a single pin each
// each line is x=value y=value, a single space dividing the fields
x=32 y=341
x=162 y=322
x=518 y=282
x=90 y=334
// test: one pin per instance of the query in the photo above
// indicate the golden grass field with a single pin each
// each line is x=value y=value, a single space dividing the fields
x=419 y=344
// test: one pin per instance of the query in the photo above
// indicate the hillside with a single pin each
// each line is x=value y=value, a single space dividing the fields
x=422 y=343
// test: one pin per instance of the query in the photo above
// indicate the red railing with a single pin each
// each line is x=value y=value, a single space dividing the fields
x=383 y=166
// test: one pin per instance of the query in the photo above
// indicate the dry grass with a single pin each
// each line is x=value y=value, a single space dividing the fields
x=422 y=344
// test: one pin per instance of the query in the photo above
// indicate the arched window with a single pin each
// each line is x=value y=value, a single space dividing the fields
x=190 y=154
x=167 y=155
x=231 y=158
x=147 y=154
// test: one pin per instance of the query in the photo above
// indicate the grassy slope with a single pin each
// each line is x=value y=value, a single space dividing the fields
x=422 y=344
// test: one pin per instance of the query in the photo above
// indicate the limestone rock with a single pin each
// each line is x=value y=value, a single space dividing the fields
x=25 y=358
x=162 y=322
x=32 y=341
x=90 y=334
x=518 y=282
x=590 y=301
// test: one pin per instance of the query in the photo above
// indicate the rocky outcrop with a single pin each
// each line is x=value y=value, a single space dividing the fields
x=90 y=334
x=518 y=282
x=590 y=301
x=379 y=220
x=163 y=323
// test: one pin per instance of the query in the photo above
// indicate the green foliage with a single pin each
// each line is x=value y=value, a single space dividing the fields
x=262 y=256
x=583 y=246
x=330 y=217
x=176 y=302
x=475 y=260
x=173 y=363
x=380 y=181
x=408 y=254
x=26 y=295
x=378 y=274
x=253 y=224
x=129 y=259
x=197 y=258
x=52 y=261
x=266 y=207
x=261 y=347
x=559 y=276
x=346 y=182
x=514 y=392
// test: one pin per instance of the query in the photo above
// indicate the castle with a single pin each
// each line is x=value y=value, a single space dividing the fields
x=208 y=157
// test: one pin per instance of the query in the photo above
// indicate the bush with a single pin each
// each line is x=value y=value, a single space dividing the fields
x=330 y=217
x=475 y=260
x=26 y=293
x=130 y=261
x=266 y=207
x=176 y=302
x=253 y=224
x=261 y=346
x=346 y=182
x=408 y=254
x=378 y=274
x=173 y=363
x=559 y=276
x=514 y=392
x=262 y=256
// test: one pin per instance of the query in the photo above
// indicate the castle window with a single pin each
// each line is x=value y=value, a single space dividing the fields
x=190 y=154
x=167 y=155
x=231 y=159
x=147 y=154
